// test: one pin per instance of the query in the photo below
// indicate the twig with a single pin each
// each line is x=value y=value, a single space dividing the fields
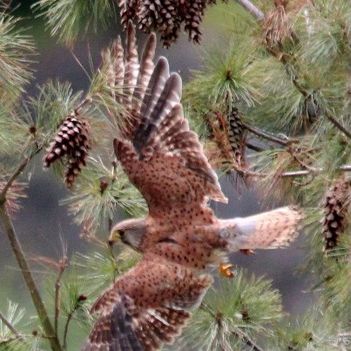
x=248 y=341
x=254 y=147
x=302 y=163
x=27 y=275
x=78 y=302
x=250 y=7
x=10 y=326
x=7 y=341
x=338 y=125
x=63 y=265
x=238 y=333
x=261 y=133
x=15 y=174
x=290 y=174
x=65 y=333
x=86 y=101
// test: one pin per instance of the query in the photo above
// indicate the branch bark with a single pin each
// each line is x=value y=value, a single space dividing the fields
x=63 y=265
x=290 y=174
x=28 y=278
x=253 y=9
x=10 y=326
x=21 y=260
x=338 y=125
x=241 y=335
x=262 y=134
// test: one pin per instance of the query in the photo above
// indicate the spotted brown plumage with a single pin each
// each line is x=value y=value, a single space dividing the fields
x=181 y=236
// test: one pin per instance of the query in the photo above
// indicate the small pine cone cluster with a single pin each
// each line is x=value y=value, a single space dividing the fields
x=72 y=141
x=166 y=17
x=237 y=136
x=336 y=207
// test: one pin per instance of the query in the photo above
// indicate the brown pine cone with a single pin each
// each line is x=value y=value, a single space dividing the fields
x=237 y=136
x=127 y=10
x=336 y=208
x=166 y=17
x=73 y=142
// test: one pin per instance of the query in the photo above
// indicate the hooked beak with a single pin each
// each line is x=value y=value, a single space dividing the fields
x=114 y=236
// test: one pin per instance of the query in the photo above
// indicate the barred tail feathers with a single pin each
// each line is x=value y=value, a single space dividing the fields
x=268 y=230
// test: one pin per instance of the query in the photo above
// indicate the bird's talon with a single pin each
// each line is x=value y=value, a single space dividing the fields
x=225 y=269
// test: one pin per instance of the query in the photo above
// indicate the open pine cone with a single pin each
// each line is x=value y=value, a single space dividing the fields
x=71 y=141
x=166 y=17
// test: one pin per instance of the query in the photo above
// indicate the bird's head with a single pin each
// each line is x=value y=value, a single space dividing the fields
x=130 y=232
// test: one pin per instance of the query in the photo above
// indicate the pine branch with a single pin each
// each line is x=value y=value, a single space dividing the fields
x=241 y=335
x=338 y=125
x=65 y=333
x=77 y=305
x=261 y=133
x=28 y=277
x=237 y=333
x=20 y=257
x=291 y=174
x=63 y=264
x=15 y=174
x=250 y=7
x=254 y=147
x=10 y=326
x=282 y=57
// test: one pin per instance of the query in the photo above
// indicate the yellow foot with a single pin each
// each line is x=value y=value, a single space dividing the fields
x=225 y=269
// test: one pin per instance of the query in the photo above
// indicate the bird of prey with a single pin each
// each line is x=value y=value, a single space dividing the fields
x=181 y=236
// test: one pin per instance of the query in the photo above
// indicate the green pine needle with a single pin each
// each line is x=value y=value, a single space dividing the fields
x=68 y=19
x=16 y=53
x=244 y=305
x=100 y=191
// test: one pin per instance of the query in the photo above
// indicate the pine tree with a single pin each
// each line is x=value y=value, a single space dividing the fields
x=271 y=105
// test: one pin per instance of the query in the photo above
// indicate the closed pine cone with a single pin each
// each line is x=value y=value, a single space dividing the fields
x=237 y=137
x=336 y=207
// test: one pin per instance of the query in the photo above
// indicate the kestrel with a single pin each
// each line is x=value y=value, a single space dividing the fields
x=181 y=236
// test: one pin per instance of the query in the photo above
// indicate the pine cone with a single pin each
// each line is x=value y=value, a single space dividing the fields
x=166 y=17
x=237 y=137
x=73 y=142
x=127 y=10
x=193 y=19
x=336 y=207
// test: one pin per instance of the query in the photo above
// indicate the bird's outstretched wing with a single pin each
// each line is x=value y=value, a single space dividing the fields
x=157 y=150
x=146 y=307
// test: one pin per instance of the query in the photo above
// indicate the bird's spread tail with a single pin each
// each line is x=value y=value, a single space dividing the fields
x=268 y=230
